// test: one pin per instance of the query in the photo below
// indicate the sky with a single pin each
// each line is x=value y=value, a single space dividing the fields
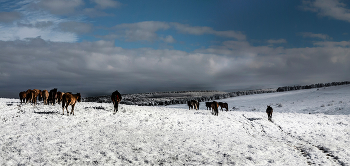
x=98 y=46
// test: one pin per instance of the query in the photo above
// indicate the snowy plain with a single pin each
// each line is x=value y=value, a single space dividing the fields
x=309 y=127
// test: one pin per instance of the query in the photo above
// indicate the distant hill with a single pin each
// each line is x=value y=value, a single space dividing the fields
x=181 y=97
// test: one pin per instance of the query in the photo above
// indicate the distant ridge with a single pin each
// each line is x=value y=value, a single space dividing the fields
x=181 y=97
x=319 y=85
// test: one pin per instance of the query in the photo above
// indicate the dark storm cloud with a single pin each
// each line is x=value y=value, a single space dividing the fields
x=280 y=66
x=96 y=68
x=93 y=67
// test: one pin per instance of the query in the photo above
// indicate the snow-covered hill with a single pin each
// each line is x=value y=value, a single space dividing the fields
x=310 y=127
x=181 y=97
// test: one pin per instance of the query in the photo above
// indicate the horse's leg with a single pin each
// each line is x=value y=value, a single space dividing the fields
x=62 y=108
x=67 y=109
x=72 y=109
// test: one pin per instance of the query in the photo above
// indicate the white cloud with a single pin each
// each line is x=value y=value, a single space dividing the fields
x=141 y=30
x=168 y=39
x=147 y=31
x=279 y=41
x=200 y=30
x=60 y=7
x=313 y=35
x=92 y=12
x=103 y=4
x=330 y=44
x=330 y=8
x=75 y=27
x=9 y=16
x=36 y=22
x=21 y=33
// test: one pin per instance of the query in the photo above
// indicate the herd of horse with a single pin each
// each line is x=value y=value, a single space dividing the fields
x=214 y=106
x=67 y=98
x=51 y=98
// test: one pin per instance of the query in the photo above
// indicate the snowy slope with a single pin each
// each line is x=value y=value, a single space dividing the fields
x=309 y=127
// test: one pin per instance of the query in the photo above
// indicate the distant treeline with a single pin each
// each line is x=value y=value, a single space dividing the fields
x=319 y=85
x=181 y=97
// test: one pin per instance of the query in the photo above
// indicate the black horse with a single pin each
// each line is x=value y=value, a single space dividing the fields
x=208 y=105
x=193 y=104
x=269 y=111
x=52 y=96
x=223 y=105
x=215 y=108
x=116 y=98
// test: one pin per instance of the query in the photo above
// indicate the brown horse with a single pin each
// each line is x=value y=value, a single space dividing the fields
x=29 y=96
x=193 y=104
x=223 y=105
x=214 y=107
x=70 y=99
x=45 y=95
x=269 y=111
x=116 y=98
x=36 y=93
x=23 y=96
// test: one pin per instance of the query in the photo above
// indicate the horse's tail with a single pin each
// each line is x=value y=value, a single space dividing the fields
x=63 y=100
x=119 y=97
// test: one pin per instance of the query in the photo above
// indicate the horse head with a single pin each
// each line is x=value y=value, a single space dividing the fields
x=78 y=97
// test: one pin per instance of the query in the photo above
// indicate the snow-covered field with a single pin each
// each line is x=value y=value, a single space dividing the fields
x=310 y=127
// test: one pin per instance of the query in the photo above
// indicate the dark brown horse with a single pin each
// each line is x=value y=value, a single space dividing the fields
x=223 y=105
x=70 y=99
x=208 y=105
x=215 y=107
x=193 y=104
x=269 y=111
x=23 y=96
x=59 y=97
x=52 y=96
x=116 y=98
x=29 y=96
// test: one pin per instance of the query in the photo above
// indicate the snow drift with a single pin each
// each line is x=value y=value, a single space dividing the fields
x=309 y=127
